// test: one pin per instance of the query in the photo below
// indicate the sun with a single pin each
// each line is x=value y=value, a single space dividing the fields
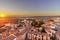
x=2 y=15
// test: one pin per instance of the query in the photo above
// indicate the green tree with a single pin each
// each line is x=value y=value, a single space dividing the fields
x=51 y=20
x=34 y=23
x=43 y=30
x=40 y=23
x=53 y=37
x=37 y=24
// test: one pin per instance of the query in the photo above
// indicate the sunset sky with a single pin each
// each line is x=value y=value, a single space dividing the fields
x=30 y=7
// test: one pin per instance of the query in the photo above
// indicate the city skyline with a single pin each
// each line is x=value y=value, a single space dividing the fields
x=30 y=7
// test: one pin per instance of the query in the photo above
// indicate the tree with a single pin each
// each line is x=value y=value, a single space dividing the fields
x=40 y=23
x=37 y=24
x=53 y=37
x=43 y=30
x=51 y=20
x=34 y=23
